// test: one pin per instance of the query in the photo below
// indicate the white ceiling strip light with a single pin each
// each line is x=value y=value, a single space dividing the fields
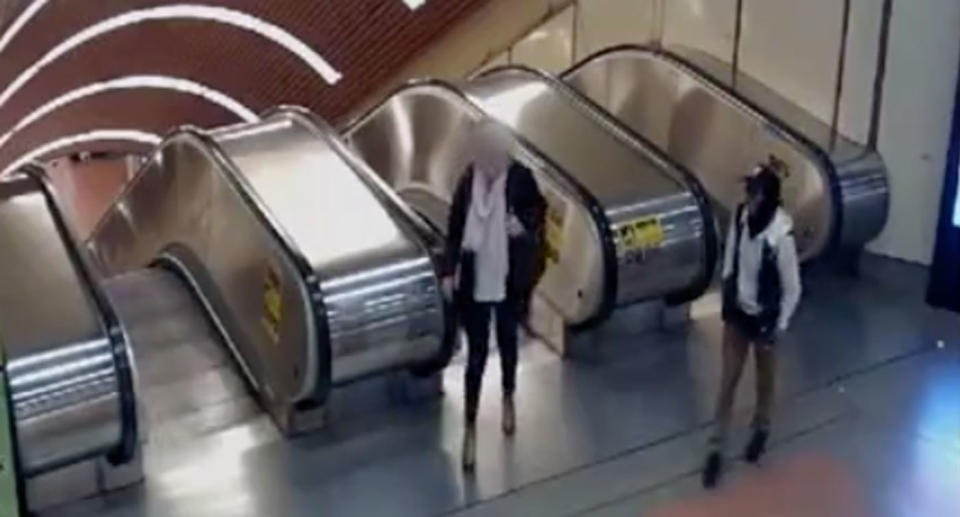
x=161 y=82
x=36 y=5
x=186 y=11
x=98 y=135
x=14 y=28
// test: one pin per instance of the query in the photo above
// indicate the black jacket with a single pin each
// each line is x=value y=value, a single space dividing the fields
x=528 y=205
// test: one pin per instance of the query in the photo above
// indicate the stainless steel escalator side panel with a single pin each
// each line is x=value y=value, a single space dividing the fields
x=416 y=141
x=662 y=228
x=837 y=191
x=185 y=210
x=383 y=304
x=69 y=369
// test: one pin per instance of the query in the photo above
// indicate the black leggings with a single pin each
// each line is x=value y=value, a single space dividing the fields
x=476 y=321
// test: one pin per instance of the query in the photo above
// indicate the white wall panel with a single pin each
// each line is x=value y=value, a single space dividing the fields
x=860 y=69
x=500 y=59
x=793 y=46
x=706 y=25
x=915 y=121
x=549 y=46
x=603 y=23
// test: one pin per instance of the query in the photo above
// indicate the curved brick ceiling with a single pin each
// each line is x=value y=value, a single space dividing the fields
x=366 y=41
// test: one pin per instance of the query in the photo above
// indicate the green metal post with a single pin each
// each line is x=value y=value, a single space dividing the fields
x=10 y=493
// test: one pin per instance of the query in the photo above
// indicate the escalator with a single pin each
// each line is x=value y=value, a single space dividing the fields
x=188 y=385
x=309 y=277
x=66 y=367
x=836 y=190
x=624 y=225
x=254 y=267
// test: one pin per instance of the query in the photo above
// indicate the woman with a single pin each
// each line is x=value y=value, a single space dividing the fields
x=490 y=267
x=761 y=289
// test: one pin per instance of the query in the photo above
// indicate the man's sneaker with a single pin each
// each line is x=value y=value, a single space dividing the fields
x=757 y=446
x=712 y=470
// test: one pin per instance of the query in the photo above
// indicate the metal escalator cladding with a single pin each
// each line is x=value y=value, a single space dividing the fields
x=661 y=228
x=309 y=279
x=184 y=206
x=384 y=309
x=187 y=383
x=836 y=190
x=11 y=485
x=66 y=386
x=416 y=141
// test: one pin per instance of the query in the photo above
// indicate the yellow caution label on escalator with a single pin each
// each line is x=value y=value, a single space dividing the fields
x=642 y=234
x=555 y=220
x=272 y=303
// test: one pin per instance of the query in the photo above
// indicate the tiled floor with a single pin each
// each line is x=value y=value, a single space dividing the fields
x=868 y=424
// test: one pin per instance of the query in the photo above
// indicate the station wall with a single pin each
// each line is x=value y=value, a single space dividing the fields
x=824 y=55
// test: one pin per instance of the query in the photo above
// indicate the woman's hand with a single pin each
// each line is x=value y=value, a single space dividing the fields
x=447 y=285
x=514 y=226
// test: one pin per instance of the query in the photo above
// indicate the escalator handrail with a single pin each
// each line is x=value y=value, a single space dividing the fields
x=594 y=208
x=105 y=313
x=816 y=153
x=640 y=144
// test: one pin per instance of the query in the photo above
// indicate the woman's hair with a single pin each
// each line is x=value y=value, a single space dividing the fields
x=765 y=180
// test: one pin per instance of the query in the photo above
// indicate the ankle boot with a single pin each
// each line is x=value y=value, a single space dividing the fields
x=469 y=454
x=756 y=446
x=509 y=416
x=712 y=469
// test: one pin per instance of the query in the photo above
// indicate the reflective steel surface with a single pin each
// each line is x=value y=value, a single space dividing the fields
x=66 y=385
x=188 y=384
x=308 y=277
x=183 y=209
x=417 y=140
x=836 y=191
x=659 y=226
x=380 y=291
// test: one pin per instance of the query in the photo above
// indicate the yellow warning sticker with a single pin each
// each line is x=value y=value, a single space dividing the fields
x=272 y=304
x=641 y=234
x=555 y=219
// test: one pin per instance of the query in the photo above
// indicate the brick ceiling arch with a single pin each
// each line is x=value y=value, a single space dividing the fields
x=367 y=41
x=152 y=110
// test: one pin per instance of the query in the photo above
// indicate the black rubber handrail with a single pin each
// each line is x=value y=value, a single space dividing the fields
x=791 y=134
x=640 y=144
x=594 y=208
